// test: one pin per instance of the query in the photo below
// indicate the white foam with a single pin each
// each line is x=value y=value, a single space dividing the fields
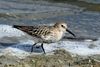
x=82 y=49
x=75 y=47
x=15 y=52
x=9 y=31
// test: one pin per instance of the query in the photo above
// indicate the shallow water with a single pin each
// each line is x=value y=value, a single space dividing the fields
x=81 y=18
x=16 y=43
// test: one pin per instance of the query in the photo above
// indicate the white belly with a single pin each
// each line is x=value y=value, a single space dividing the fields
x=54 y=37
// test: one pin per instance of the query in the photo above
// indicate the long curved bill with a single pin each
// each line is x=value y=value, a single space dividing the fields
x=70 y=32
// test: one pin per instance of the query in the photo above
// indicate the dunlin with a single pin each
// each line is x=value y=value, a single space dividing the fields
x=45 y=34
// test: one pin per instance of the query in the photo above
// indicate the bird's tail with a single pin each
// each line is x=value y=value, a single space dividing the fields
x=17 y=26
x=23 y=28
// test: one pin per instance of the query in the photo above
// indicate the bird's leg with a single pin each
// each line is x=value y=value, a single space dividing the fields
x=43 y=48
x=33 y=46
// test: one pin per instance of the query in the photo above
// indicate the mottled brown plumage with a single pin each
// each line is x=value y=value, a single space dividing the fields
x=34 y=30
x=45 y=34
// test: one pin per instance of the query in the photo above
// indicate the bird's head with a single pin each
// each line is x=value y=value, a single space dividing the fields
x=62 y=26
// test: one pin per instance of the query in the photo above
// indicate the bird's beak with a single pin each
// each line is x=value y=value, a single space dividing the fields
x=70 y=32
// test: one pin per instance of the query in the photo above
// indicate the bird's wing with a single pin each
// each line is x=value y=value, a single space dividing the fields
x=34 y=30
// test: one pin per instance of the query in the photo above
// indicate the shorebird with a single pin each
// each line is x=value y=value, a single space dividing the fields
x=45 y=34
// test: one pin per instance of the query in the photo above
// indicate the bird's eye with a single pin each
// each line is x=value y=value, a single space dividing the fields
x=63 y=26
